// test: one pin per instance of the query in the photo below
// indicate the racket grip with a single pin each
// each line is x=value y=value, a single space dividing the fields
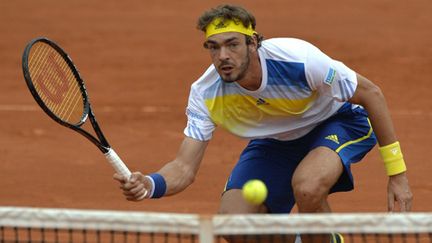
x=117 y=163
x=121 y=167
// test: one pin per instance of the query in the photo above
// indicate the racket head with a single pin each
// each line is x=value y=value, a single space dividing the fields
x=55 y=83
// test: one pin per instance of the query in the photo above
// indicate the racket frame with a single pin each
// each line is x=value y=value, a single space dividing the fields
x=103 y=144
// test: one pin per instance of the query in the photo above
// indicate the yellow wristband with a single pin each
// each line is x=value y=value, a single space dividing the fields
x=393 y=158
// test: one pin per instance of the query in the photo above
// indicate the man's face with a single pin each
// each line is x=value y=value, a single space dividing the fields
x=230 y=55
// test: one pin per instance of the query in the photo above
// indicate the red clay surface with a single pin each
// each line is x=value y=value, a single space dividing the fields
x=139 y=59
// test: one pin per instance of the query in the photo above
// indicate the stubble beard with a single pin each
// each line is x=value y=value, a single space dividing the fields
x=243 y=69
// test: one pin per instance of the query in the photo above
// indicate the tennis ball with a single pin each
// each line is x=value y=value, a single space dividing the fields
x=254 y=192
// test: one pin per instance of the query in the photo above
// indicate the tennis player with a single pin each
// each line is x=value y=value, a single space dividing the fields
x=308 y=118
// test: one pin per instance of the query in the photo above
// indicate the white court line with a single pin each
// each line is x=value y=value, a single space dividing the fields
x=164 y=109
x=19 y=108
x=104 y=109
x=411 y=113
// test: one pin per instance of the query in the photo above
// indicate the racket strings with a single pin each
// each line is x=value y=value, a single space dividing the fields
x=55 y=83
x=42 y=76
x=68 y=106
x=71 y=98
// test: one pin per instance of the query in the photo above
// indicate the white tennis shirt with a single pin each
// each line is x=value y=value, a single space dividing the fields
x=301 y=87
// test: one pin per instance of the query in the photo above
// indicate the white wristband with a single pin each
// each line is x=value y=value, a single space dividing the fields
x=152 y=188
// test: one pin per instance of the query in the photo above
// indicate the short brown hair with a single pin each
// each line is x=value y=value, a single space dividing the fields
x=226 y=12
x=229 y=12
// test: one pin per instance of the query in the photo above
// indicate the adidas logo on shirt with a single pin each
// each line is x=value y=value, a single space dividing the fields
x=261 y=101
x=333 y=138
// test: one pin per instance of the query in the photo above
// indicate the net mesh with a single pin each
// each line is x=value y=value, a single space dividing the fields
x=65 y=225
x=55 y=83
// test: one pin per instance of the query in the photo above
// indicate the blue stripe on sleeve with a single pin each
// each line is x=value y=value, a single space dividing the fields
x=350 y=87
x=198 y=131
x=342 y=91
x=194 y=131
x=191 y=131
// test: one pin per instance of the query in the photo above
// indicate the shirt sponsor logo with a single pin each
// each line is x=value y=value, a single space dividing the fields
x=194 y=115
x=261 y=101
x=331 y=75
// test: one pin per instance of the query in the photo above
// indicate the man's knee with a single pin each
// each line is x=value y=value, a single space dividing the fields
x=310 y=194
x=314 y=177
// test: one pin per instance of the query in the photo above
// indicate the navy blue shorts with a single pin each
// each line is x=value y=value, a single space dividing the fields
x=348 y=133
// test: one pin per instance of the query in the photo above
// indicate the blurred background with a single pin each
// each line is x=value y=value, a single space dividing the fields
x=139 y=58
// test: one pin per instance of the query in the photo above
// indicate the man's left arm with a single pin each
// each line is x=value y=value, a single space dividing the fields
x=372 y=99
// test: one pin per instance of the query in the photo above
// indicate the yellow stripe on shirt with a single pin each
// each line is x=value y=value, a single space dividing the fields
x=239 y=112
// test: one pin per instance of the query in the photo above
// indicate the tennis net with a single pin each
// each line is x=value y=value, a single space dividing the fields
x=20 y=224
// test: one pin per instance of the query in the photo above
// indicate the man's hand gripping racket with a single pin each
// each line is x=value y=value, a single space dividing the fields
x=58 y=88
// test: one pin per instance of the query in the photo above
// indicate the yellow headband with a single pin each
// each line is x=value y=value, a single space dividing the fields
x=219 y=25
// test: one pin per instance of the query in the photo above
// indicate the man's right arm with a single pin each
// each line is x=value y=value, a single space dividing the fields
x=181 y=172
x=178 y=173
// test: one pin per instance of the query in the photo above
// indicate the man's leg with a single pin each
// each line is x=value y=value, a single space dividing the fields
x=312 y=181
x=232 y=202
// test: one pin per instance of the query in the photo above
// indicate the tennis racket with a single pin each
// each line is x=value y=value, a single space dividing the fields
x=58 y=88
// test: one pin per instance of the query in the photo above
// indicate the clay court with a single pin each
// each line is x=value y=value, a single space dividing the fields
x=138 y=59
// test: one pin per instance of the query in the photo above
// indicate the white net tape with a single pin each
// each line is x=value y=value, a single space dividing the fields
x=208 y=227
